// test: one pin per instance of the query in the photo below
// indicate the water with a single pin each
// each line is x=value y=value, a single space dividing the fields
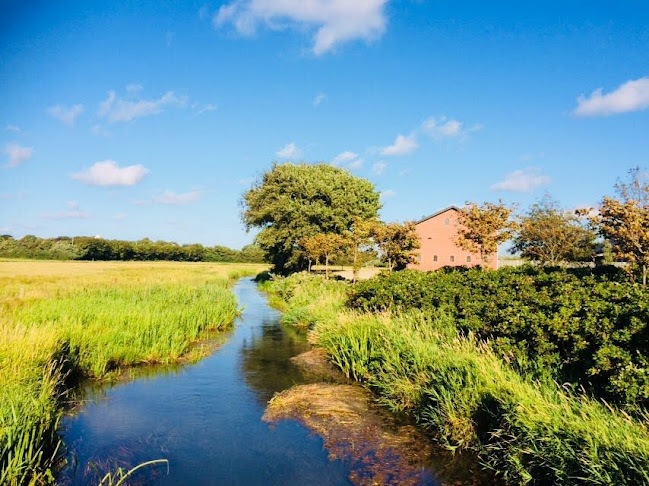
x=206 y=418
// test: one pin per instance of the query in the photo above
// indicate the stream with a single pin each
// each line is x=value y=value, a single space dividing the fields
x=206 y=418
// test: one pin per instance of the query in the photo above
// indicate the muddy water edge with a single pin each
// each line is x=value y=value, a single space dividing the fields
x=212 y=420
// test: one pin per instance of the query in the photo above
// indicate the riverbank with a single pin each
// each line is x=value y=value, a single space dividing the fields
x=525 y=431
x=61 y=322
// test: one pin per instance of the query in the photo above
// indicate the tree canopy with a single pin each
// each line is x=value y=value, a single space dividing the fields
x=549 y=235
x=483 y=228
x=295 y=201
x=397 y=243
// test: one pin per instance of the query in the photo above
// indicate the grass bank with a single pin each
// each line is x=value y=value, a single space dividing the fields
x=457 y=388
x=61 y=321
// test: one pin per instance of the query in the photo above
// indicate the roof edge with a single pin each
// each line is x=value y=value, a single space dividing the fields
x=426 y=218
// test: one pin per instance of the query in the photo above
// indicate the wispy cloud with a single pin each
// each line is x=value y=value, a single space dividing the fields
x=109 y=174
x=200 y=109
x=443 y=127
x=378 y=168
x=290 y=151
x=344 y=157
x=13 y=128
x=524 y=180
x=387 y=194
x=73 y=212
x=320 y=97
x=403 y=145
x=67 y=115
x=115 y=109
x=529 y=157
x=630 y=96
x=17 y=154
x=120 y=216
x=173 y=198
x=335 y=21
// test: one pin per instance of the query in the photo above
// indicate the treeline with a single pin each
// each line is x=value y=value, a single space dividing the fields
x=90 y=248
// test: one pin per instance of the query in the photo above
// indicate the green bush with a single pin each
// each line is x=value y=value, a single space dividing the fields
x=587 y=327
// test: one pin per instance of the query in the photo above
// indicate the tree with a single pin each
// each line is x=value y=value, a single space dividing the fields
x=625 y=222
x=483 y=228
x=396 y=243
x=549 y=235
x=359 y=241
x=294 y=201
x=325 y=245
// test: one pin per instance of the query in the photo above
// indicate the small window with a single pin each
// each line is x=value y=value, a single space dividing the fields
x=452 y=258
x=434 y=258
x=447 y=221
x=468 y=259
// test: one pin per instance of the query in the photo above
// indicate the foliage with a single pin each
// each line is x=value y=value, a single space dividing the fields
x=396 y=243
x=584 y=326
x=294 y=201
x=482 y=228
x=625 y=222
x=551 y=236
x=63 y=320
x=90 y=248
x=326 y=245
x=359 y=239
x=528 y=432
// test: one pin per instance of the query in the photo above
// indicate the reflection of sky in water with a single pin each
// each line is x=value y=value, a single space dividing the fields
x=206 y=418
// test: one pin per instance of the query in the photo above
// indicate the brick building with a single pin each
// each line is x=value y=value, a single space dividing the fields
x=437 y=235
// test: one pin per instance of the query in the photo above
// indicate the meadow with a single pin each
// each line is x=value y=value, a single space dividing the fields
x=525 y=428
x=61 y=322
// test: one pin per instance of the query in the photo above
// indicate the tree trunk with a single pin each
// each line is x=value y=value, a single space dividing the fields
x=327 y=267
x=644 y=275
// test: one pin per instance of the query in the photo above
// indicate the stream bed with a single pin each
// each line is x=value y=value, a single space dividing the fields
x=206 y=419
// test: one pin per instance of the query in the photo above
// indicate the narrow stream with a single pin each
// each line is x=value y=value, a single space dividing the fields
x=206 y=418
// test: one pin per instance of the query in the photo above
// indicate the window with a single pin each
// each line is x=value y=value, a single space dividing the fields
x=434 y=258
x=447 y=221
x=452 y=258
x=468 y=259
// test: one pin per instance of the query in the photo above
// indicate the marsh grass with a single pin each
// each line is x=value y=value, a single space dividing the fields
x=526 y=431
x=62 y=321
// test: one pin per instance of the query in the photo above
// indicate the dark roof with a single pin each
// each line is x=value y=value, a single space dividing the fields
x=426 y=218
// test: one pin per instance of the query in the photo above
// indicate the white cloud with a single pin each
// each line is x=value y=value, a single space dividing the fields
x=524 y=180
x=630 y=96
x=289 y=151
x=170 y=197
x=402 y=145
x=529 y=157
x=344 y=157
x=12 y=128
x=378 y=168
x=334 y=21
x=387 y=194
x=443 y=127
x=100 y=131
x=17 y=154
x=200 y=109
x=134 y=88
x=116 y=109
x=120 y=216
x=108 y=174
x=65 y=114
x=320 y=97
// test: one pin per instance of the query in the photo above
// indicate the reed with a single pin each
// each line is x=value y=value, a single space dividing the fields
x=467 y=397
x=61 y=321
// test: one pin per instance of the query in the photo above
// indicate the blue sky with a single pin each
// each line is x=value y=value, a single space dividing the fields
x=151 y=118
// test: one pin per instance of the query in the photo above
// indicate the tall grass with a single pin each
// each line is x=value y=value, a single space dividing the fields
x=60 y=320
x=468 y=398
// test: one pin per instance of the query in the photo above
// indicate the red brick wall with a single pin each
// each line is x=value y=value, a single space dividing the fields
x=437 y=239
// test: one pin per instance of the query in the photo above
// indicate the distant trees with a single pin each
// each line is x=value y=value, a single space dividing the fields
x=90 y=248
x=549 y=235
x=482 y=228
x=295 y=201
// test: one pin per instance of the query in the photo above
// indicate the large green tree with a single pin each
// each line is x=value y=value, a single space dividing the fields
x=549 y=235
x=294 y=201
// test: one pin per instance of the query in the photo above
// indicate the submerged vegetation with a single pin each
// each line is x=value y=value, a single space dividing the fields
x=424 y=360
x=61 y=321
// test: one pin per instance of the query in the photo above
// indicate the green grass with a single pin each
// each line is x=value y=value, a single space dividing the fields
x=60 y=321
x=467 y=397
